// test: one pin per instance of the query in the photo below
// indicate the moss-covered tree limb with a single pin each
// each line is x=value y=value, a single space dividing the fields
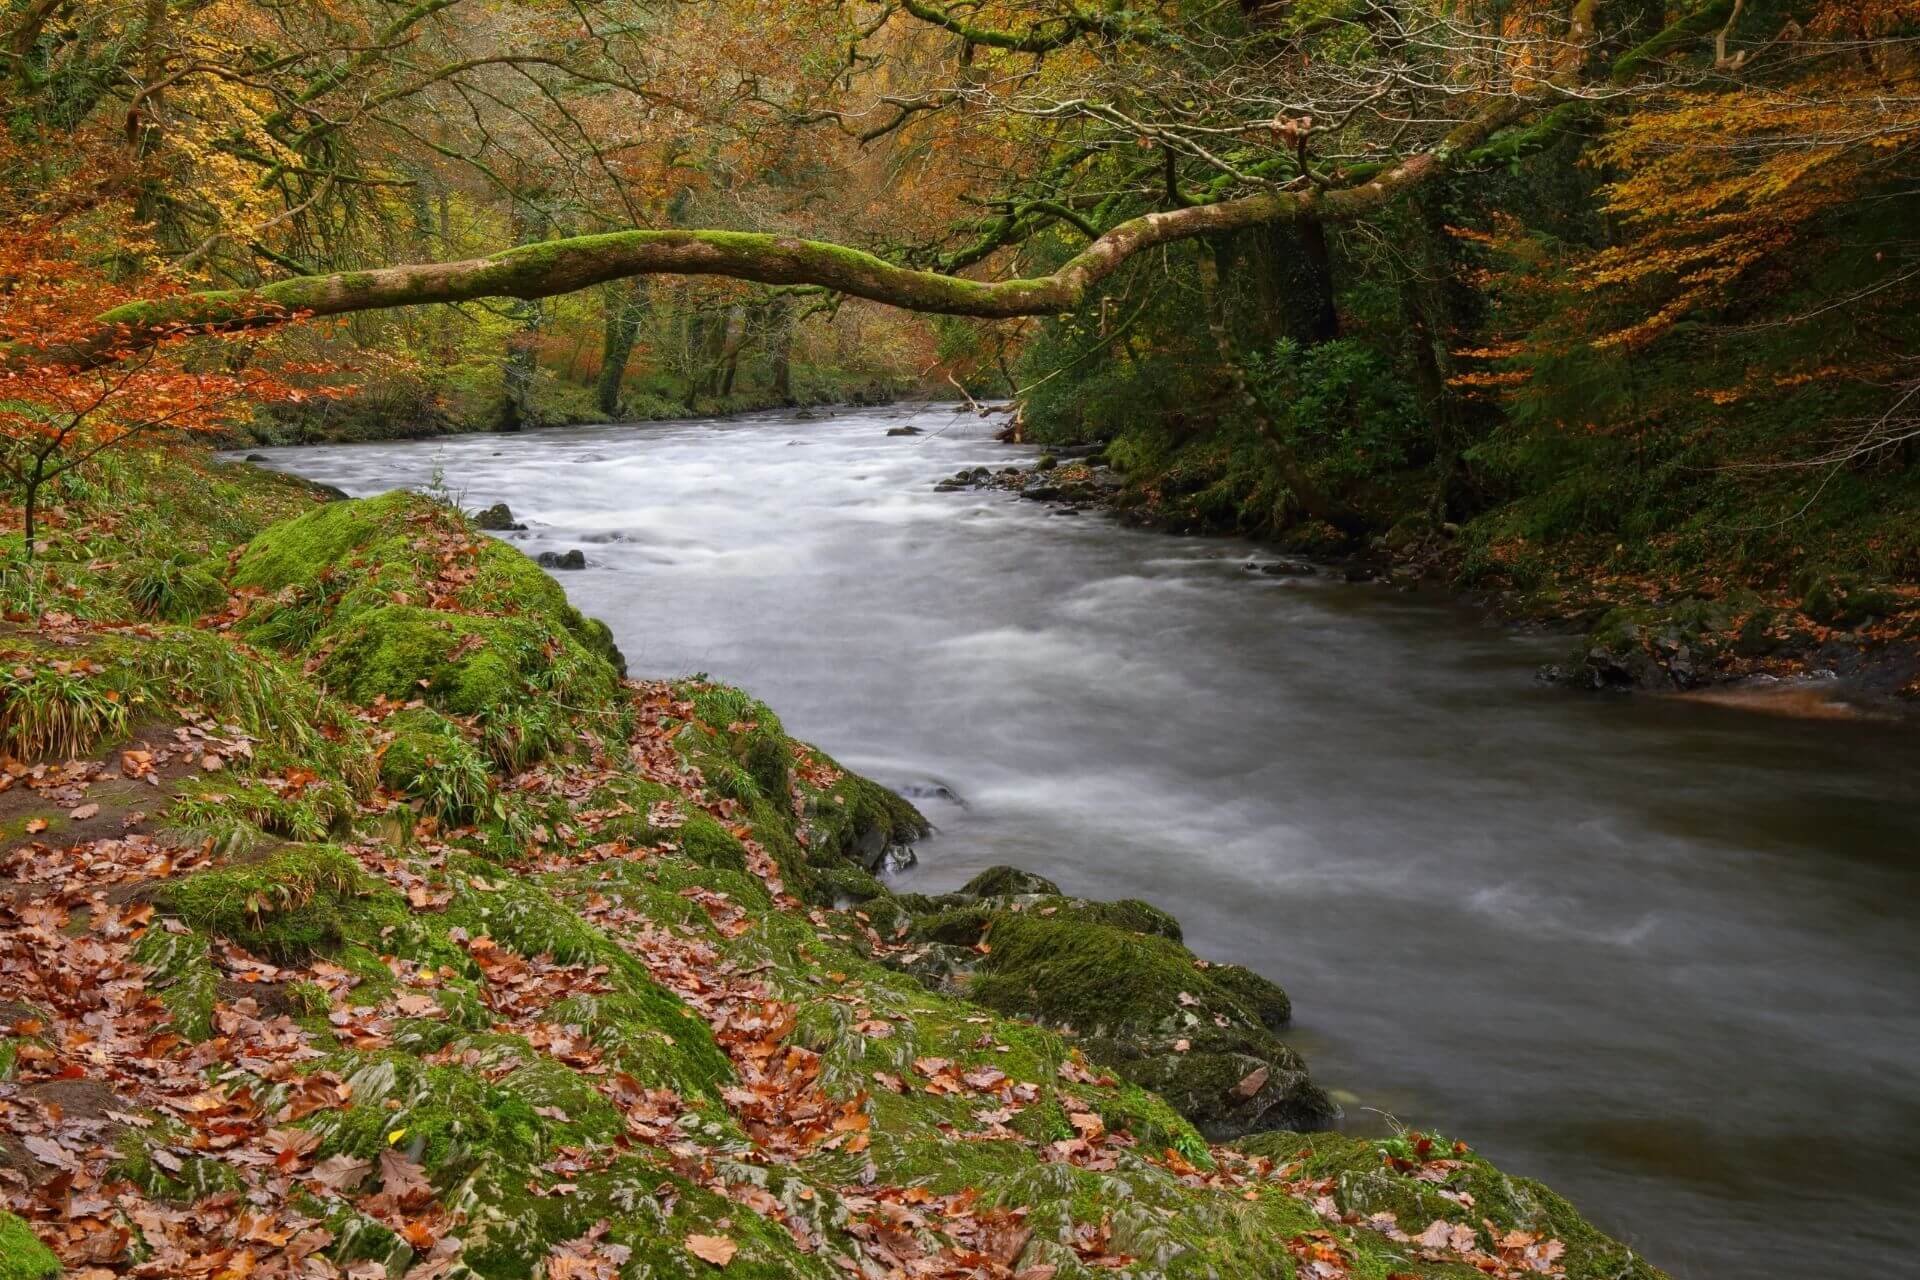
x=566 y=265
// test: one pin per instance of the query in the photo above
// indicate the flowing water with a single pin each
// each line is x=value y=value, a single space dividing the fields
x=1661 y=955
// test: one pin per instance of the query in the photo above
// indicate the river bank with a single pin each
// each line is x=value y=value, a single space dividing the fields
x=1627 y=946
x=362 y=914
x=1829 y=639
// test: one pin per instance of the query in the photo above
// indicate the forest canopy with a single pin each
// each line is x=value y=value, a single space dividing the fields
x=1613 y=266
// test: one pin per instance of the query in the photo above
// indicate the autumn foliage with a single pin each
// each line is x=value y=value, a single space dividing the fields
x=56 y=412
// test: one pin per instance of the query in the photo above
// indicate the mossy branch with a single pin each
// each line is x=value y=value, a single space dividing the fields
x=566 y=265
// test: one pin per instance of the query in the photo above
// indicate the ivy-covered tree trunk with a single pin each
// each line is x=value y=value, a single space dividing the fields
x=711 y=351
x=625 y=302
x=522 y=357
x=1294 y=282
x=780 y=348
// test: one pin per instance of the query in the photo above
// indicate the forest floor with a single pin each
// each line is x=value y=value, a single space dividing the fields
x=360 y=916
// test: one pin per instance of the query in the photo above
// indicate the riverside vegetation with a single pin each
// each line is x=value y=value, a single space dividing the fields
x=364 y=917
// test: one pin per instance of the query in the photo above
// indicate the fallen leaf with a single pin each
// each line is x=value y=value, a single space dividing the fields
x=715 y=1249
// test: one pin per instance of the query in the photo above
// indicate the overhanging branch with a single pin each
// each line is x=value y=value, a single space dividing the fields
x=564 y=266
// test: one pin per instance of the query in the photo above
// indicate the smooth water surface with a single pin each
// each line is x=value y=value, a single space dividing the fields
x=1663 y=956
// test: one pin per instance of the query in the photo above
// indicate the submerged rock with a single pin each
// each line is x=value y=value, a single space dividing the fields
x=573 y=558
x=903 y=431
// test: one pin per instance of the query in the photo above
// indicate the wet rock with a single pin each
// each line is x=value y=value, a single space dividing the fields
x=1282 y=568
x=1841 y=600
x=1006 y=882
x=1232 y=1095
x=1047 y=462
x=1677 y=645
x=256 y=457
x=1038 y=489
x=497 y=518
x=903 y=431
x=931 y=791
x=570 y=559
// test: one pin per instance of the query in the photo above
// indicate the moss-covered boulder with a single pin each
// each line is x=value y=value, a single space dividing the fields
x=1116 y=975
x=289 y=903
x=1006 y=882
x=1841 y=599
x=398 y=597
x=1419 y=1180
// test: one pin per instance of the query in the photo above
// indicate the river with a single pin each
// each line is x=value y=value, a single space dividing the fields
x=1663 y=956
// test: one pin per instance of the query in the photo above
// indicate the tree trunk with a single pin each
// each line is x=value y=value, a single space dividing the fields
x=710 y=352
x=780 y=348
x=624 y=303
x=1295 y=282
x=522 y=364
x=1307 y=495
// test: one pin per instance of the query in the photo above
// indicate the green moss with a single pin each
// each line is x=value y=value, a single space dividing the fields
x=429 y=759
x=1259 y=996
x=1006 y=882
x=181 y=970
x=448 y=1118
x=288 y=904
x=196 y=1177
x=521 y=916
x=175 y=588
x=1102 y=981
x=22 y=1256
x=357 y=555
x=1368 y=1179
x=237 y=812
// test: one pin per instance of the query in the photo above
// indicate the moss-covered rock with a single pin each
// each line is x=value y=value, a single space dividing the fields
x=1116 y=975
x=1841 y=599
x=287 y=904
x=399 y=598
x=1006 y=882
x=428 y=758
x=1420 y=1179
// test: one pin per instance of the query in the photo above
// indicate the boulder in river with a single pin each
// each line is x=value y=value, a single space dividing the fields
x=256 y=457
x=497 y=518
x=574 y=558
x=1117 y=976
x=1282 y=568
x=903 y=431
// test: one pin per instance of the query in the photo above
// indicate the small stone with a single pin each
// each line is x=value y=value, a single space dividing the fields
x=572 y=559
